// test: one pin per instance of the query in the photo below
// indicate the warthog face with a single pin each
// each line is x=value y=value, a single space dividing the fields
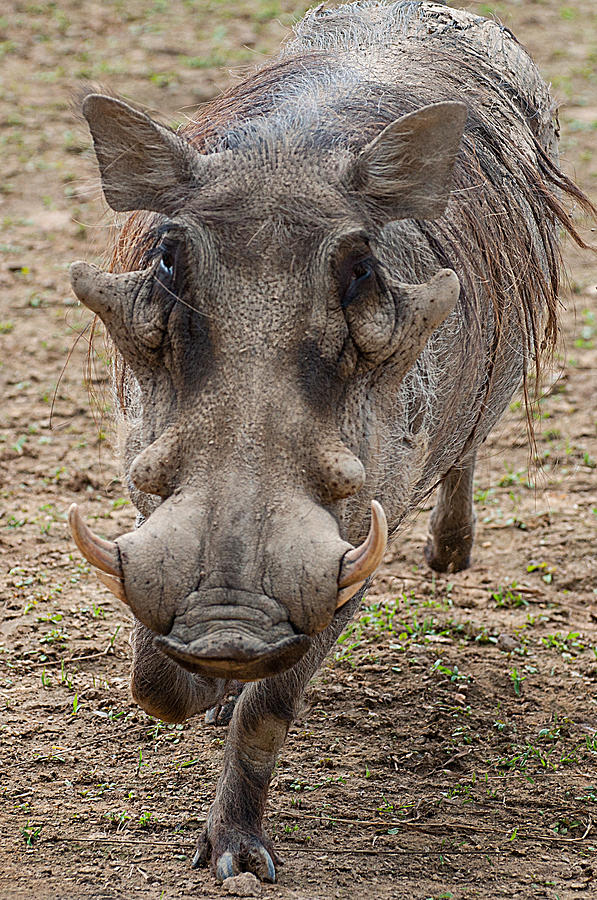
x=258 y=328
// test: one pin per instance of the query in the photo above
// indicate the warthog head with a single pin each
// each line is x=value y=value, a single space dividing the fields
x=261 y=329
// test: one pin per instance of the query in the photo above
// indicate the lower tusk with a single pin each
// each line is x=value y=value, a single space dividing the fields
x=362 y=561
x=115 y=585
x=347 y=594
x=103 y=555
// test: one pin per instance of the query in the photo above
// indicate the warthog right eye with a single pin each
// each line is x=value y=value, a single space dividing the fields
x=166 y=251
x=166 y=266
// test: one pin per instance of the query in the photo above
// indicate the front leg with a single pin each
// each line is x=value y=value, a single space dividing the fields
x=233 y=840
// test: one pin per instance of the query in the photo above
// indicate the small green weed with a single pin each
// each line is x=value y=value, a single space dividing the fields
x=568 y=645
x=517 y=679
x=118 y=818
x=454 y=674
x=31 y=833
x=542 y=568
x=507 y=597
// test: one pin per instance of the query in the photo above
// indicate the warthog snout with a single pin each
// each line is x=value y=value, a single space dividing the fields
x=201 y=614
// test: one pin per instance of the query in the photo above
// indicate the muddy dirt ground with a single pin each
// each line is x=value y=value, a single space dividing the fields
x=448 y=749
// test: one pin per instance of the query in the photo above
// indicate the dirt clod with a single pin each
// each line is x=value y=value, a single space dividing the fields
x=507 y=643
x=243 y=885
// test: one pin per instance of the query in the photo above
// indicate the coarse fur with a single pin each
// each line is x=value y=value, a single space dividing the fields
x=274 y=176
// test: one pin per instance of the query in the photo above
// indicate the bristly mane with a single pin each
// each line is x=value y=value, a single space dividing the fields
x=351 y=71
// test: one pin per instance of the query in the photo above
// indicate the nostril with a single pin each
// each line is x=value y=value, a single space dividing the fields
x=342 y=473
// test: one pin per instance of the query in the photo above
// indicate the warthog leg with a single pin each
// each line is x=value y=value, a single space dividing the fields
x=233 y=839
x=452 y=522
x=165 y=690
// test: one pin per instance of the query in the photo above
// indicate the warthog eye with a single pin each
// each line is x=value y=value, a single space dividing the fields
x=167 y=264
x=166 y=250
x=360 y=276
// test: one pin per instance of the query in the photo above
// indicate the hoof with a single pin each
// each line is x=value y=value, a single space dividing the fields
x=234 y=852
x=448 y=555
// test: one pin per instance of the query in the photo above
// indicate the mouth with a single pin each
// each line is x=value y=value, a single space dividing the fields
x=223 y=633
x=232 y=660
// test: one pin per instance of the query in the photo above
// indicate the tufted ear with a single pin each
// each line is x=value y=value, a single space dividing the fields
x=406 y=171
x=142 y=163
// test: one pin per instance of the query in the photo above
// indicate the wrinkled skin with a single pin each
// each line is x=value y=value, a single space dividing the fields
x=294 y=348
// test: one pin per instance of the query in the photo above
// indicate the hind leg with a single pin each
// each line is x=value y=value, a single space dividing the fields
x=165 y=690
x=452 y=522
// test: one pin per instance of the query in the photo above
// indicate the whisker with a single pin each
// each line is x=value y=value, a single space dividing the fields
x=179 y=299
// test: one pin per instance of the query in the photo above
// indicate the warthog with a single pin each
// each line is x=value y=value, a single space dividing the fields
x=332 y=281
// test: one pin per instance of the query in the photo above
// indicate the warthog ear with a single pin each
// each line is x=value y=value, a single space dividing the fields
x=406 y=171
x=143 y=164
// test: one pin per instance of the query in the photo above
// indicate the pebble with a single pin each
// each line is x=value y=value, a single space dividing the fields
x=243 y=885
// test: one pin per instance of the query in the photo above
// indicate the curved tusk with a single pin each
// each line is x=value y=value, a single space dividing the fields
x=102 y=554
x=362 y=561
